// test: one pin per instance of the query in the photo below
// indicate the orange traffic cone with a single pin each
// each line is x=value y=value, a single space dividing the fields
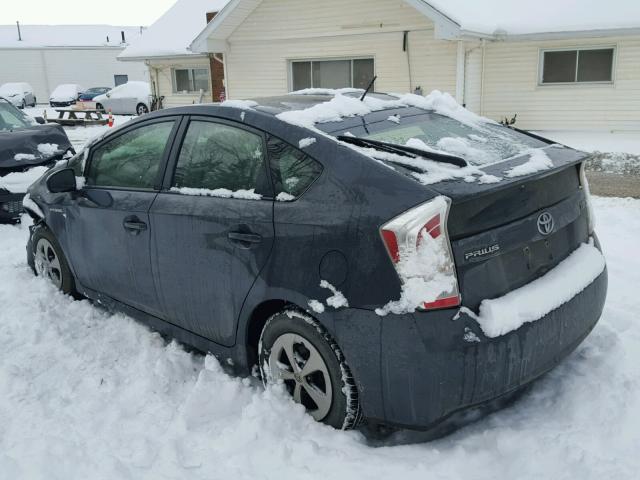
x=110 y=121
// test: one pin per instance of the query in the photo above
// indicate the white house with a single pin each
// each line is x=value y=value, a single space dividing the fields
x=556 y=64
x=180 y=75
x=46 y=56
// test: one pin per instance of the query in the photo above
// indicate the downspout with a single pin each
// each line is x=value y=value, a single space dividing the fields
x=482 y=79
x=460 y=73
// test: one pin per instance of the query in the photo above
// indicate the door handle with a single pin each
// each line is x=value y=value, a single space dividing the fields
x=134 y=225
x=244 y=239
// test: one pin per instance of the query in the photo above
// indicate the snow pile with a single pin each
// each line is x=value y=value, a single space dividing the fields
x=24 y=156
x=306 y=142
x=336 y=300
x=242 y=104
x=536 y=299
x=327 y=91
x=538 y=162
x=218 y=192
x=424 y=271
x=460 y=147
x=87 y=394
x=18 y=182
x=48 y=149
x=394 y=118
x=285 y=197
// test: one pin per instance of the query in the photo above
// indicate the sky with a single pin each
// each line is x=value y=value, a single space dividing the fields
x=83 y=12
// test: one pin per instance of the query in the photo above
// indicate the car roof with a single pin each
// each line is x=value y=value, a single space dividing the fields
x=302 y=101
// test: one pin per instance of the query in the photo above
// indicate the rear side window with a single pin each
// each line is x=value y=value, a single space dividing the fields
x=291 y=169
x=217 y=156
x=132 y=159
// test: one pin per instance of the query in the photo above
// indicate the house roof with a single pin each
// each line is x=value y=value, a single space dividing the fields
x=542 y=16
x=172 y=33
x=493 y=19
x=66 y=36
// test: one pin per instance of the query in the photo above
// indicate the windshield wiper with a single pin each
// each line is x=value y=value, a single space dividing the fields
x=404 y=150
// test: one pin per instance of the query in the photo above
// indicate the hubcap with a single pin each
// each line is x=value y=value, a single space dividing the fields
x=47 y=262
x=297 y=363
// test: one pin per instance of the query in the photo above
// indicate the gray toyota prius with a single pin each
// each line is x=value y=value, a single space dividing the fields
x=390 y=259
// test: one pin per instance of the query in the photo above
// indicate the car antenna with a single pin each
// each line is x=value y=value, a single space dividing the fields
x=368 y=88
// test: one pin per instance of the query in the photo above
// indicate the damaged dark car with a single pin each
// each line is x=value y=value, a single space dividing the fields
x=28 y=147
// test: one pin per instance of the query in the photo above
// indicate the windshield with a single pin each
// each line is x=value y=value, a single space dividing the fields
x=11 y=118
x=479 y=143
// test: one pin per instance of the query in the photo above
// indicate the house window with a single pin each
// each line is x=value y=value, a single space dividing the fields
x=120 y=79
x=190 y=80
x=584 y=65
x=355 y=72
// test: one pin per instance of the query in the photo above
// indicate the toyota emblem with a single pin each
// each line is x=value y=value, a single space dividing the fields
x=545 y=223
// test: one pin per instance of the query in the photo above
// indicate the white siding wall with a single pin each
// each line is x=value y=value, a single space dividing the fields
x=44 y=69
x=165 y=81
x=511 y=86
x=278 y=31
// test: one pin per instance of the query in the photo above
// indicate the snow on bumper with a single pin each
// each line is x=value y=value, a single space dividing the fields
x=533 y=301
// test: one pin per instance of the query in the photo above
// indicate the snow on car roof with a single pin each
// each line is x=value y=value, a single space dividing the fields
x=174 y=31
x=544 y=16
x=39 y=36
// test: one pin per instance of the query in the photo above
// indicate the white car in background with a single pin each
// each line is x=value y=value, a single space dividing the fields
x=18 y=93
x=131 y=98
x=65 y=95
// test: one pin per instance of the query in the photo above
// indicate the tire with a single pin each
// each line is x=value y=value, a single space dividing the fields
x=328 y=376
x=141 y=109
x=49 y=260
x=35 y=102
x=99 y=106
x=24 y=104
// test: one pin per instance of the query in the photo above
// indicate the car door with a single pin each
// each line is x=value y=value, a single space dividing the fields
x=109 y=225
x=212 y=226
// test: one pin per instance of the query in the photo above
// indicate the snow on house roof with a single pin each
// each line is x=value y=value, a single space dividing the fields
x=65 y=36
x=173 y=32
x=542 y=16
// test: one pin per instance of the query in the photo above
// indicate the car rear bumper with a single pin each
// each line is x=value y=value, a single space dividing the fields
x=62 y=104
x=427 y=366
x=10 y=207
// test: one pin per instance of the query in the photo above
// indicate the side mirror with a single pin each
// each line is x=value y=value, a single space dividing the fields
x=40 y=120
x=62 y=181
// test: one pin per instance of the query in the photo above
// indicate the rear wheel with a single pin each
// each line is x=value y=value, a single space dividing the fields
x=141 y=109
x=296 y=350
x=49 y=260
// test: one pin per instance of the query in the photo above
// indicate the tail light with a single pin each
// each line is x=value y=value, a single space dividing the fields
x=587 y=196
x=419 y=247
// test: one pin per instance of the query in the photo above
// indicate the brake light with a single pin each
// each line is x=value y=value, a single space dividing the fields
x=418 y=245
x=587 y=196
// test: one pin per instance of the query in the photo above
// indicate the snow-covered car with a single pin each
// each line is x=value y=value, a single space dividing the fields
x=27 y=150
x=131 y=98
x=65 y=95
x=392 y=257
x=18 y=93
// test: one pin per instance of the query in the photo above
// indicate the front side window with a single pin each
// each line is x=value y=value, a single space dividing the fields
x=355 y=73
x=11 y=118
x=190 y=80
x=577 y=66
x=292 y=170
x=131 y=160
x=220 y=157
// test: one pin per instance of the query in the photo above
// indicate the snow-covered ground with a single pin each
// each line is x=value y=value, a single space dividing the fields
x=85 y=394
x=619 y=142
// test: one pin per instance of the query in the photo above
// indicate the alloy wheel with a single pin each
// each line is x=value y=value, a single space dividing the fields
x=299 y=365
x=47 y=262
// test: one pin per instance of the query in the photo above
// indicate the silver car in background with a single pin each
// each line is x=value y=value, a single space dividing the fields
x=131 y=98
x=18 y=93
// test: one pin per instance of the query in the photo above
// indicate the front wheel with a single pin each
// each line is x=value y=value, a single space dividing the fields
x=297 y=351
x=141 y=109
x=49 y=260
